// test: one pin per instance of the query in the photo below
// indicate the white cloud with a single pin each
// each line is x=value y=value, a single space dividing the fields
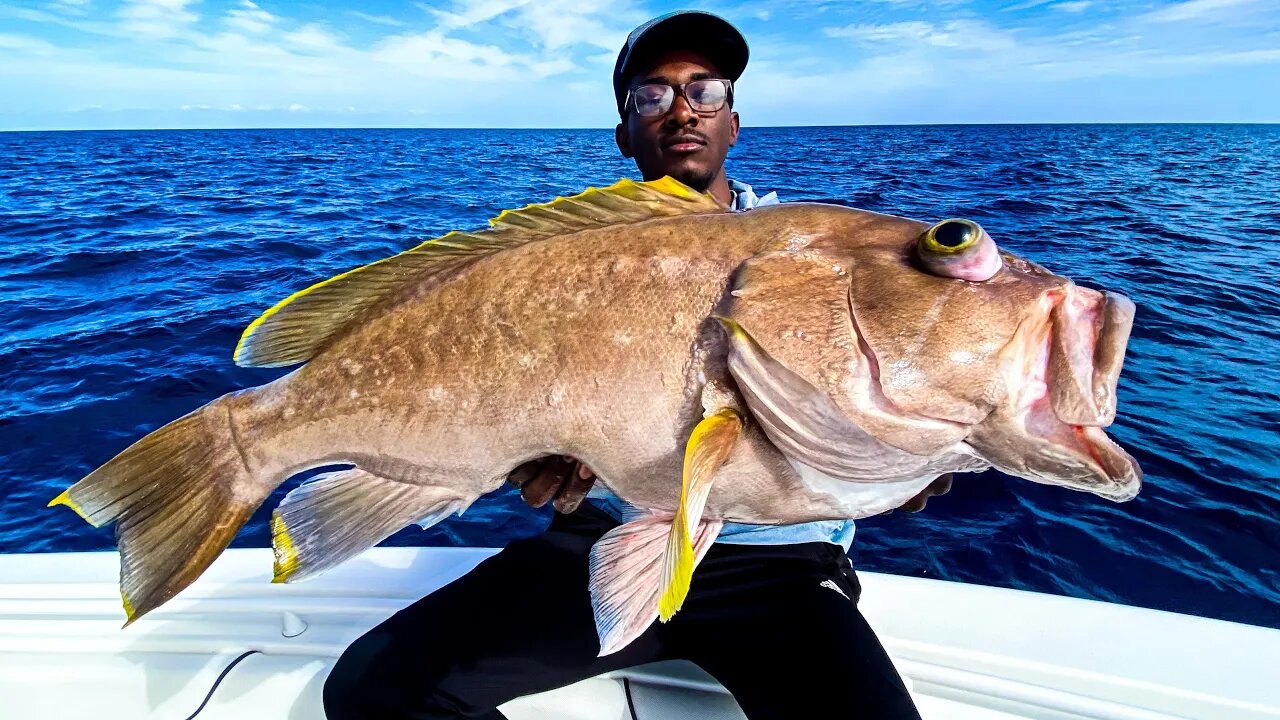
x=890 y=32
x=970 y=35
x=547 y=68
x=27 y=45
x=557 y=24
x=156 y=18
x=465 y=13
x=1026 y=5
x=377 y=19
x=433 y=54
x=250 y=18
x=484 y=57
x=70 y=7
x=1193 y=10
x=549 y=24
x=313 y=38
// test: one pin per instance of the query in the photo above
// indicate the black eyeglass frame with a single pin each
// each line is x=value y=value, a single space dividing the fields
x=629 y=103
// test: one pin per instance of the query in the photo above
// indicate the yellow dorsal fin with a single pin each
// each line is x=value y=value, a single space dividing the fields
x=295 y=328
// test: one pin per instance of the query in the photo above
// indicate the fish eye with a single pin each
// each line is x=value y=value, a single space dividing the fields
x=951 y=236
x=959 y=249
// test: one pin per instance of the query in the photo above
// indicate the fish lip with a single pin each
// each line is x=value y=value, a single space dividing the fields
x=1084 y=457
x=1084 y=367
x=1122 y=472
x=1111 y=346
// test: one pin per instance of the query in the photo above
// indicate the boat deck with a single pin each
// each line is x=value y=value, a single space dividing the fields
x=967 y=651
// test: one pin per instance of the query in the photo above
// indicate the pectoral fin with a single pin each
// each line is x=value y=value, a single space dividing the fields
x=642 y=569
x=709 y=446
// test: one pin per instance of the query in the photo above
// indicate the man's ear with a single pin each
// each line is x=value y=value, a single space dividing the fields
x=623 y=137
x=733 y=124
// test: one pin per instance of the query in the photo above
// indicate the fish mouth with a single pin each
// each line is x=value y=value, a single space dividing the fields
x=1122 y=473
x=1066 y=366
x=1080 y=457
x=1090 y=334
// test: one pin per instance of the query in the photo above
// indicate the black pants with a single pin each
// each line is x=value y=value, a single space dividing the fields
x=776 y=625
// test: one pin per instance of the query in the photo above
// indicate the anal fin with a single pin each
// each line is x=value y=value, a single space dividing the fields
x=336 y=516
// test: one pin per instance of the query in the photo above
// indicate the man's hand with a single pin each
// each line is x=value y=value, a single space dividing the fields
x=557 y=478
x=940 y=486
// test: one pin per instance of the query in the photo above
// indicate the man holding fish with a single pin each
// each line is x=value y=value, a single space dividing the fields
x=742 y=383
x=776 y=620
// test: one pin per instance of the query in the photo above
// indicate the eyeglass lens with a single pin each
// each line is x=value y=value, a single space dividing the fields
x=703 y=96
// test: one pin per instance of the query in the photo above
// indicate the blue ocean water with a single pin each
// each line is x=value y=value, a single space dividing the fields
x=131 y=261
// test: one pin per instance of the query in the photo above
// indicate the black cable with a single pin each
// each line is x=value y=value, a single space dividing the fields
x=217 y=682
x=631 y=706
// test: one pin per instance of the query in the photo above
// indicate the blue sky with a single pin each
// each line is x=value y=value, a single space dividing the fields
x=546 y=63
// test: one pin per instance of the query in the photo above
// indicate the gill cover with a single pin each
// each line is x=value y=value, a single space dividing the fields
x=809 y=377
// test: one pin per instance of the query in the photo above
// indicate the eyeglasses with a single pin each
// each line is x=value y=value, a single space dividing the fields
x=704 y=96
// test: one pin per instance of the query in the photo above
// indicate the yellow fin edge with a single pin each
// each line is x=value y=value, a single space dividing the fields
x=65 y=499
x=129 y=612
x=732 y=326
x=667 y=185
x=286 y=560
x=238 y=354
x=677 y=588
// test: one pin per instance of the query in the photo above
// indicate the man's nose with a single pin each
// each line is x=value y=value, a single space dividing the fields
x=681 y=114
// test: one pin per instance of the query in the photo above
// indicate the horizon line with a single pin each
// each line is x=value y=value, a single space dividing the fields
x=603 y=128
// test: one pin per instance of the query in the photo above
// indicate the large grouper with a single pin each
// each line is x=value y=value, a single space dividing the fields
x=793 y=363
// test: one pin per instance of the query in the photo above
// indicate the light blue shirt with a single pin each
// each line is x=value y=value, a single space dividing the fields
x=839 y=532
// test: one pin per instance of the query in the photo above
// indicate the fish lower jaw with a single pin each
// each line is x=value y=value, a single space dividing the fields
x=1085 y=457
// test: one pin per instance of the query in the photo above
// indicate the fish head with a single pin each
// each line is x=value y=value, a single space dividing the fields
x=934 y=342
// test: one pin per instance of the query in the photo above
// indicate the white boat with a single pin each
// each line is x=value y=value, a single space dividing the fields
x=967 y=651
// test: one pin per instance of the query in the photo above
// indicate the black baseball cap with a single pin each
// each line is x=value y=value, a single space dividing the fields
x=708 y=34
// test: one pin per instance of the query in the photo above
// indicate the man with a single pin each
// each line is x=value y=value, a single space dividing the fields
x=771 y=611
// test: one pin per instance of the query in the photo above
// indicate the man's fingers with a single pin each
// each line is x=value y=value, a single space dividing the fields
x=915 y=504
x=543 y=486
x=940 y=486
x=574 y=489
x=524 y=473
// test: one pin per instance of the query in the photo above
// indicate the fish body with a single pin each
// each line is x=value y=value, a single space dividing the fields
x=596 y=345
x=794 y=363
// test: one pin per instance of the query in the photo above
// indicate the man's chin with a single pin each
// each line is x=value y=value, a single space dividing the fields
x=697 y=178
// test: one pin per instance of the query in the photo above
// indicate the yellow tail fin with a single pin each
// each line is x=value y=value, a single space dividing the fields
x=177 y=497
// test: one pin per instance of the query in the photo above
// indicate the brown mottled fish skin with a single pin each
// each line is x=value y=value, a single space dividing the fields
x=860 y=377
x=586 y=345
x=597 y=344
